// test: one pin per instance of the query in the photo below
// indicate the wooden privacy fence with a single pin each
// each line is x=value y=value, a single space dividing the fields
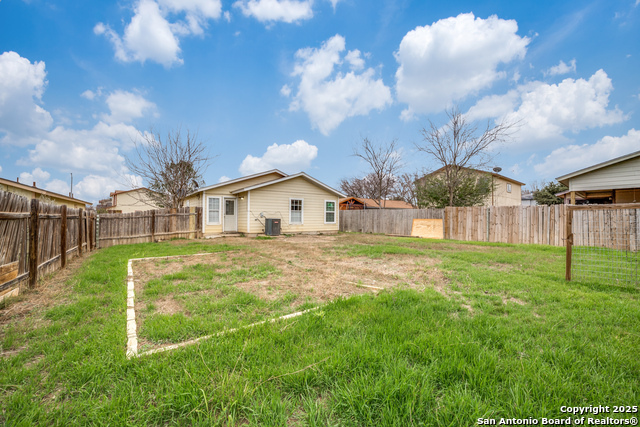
x=149 y=226
x=543 y=225
x=387 y=221
x=38 y=238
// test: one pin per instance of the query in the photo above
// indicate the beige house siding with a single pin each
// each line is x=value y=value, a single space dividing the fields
x=132 y=201
x=274 y=202
x=617 y=176
x=501 y=195
x=225 y=191
x=42 y=195
x=242 y=203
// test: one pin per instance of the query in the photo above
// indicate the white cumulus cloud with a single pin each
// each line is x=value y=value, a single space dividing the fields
x=22 y=84
x=58 y=186
x=126 y=106
x=150 y=35
x=98 y=149
x=288 y=11
x=286 y=157
x=37 y=175
x=328 y=95
x=452 y=59
x=547 y=111
x=223 y=178
x=561 y=68
x=96 y=187
x=571 y=158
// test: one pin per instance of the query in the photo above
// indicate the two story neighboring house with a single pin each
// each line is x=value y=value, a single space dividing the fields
x=45 y=196
x=506 y=191
x=127 y=201
x=614 y=181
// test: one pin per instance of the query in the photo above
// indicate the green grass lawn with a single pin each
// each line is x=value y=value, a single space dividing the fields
x=504 y=335
x=205 y=299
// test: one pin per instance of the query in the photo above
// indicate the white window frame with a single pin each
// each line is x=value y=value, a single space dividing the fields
x=335 y=214
x=301 y=211
x=508 y=188
x=219 y=210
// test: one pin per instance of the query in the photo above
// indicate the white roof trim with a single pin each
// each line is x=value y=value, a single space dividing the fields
x=598 y=166
x=233 y=181
x=286 y=178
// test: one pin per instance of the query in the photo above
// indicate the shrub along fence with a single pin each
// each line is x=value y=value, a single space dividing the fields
x=38 y=238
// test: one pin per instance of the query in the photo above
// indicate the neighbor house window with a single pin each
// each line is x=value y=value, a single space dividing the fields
x=213 y=209
x=508 y=188
x=295 y=211
x=329 y=212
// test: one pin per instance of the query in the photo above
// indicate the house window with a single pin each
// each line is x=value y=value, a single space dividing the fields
x=295 y=211
x=329 y=212
x=508 y=188
x=213 y=210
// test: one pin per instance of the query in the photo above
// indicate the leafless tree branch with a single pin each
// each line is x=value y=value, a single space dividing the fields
x=173 y=167
x=385 y=163
x=460 y=148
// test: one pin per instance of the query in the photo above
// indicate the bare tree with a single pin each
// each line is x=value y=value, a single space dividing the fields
x=173 y=167
x=405 y=188
x=460 y=149
x=385 y=163
x=366 y=187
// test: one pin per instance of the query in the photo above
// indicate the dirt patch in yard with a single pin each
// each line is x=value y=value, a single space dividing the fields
x=308 y=271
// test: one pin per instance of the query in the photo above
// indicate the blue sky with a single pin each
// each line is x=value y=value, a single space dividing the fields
x=295 y=84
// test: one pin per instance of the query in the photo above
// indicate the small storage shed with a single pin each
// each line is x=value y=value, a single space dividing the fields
x=301 y=203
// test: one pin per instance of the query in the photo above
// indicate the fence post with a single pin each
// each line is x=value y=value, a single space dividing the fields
x=63 y=236
x=97 y=230
x=569 y=241
x=33 y=244
x=153 y=225
x=92 y=228
x=80 y=224
x=488 y=224
x=198 y=222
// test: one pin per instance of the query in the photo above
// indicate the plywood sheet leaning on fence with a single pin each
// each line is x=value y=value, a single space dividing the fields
x=428 y=228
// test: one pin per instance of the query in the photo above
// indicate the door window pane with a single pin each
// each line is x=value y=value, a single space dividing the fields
x=229 y=207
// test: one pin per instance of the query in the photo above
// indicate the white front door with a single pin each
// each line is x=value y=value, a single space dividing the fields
x=230 y=215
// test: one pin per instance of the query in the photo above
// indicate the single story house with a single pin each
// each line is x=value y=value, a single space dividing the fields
x=614 y=181
x=528 y=200
x=506 y=191
x=128 y=201
x=301 y=203
x=45 y=196
x=359 y=203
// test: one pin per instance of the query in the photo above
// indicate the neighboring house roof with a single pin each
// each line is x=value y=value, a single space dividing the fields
x=528 y=196
x=386 y=204
x=233 y=181
x=286 y=178
x=40 y=191
x=496 y=175
x=128 y=191
x=564 y=179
